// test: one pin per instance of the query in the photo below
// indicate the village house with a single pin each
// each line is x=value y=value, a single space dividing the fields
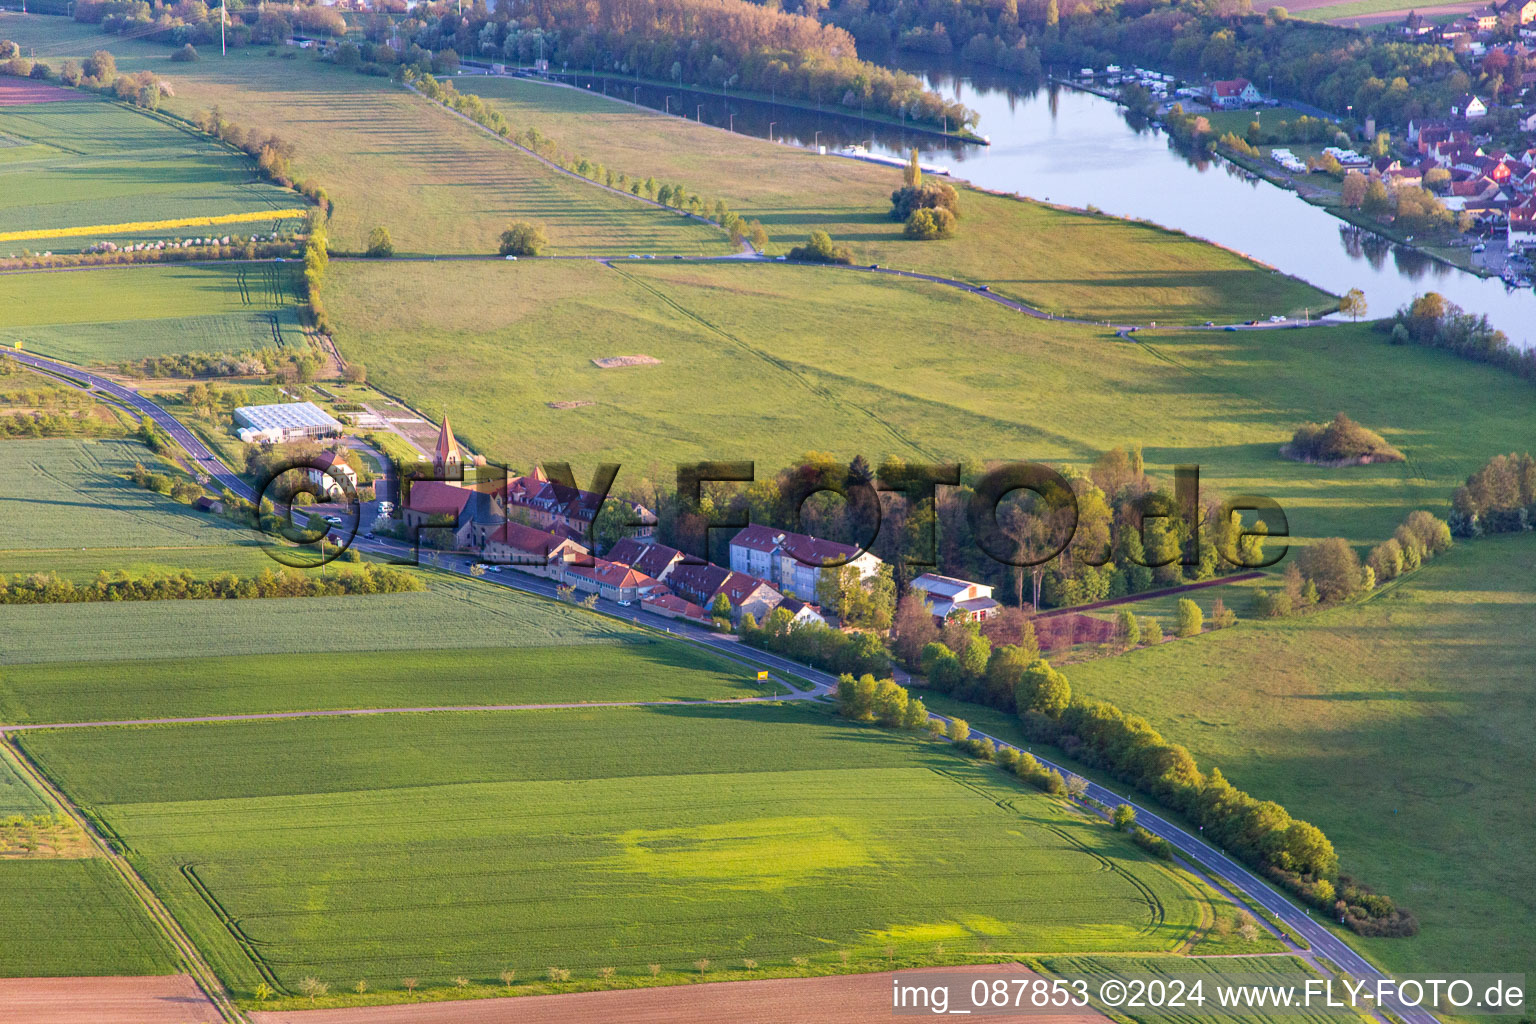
x=963 y=599
x=532 y=551
x=324 y=471
x=610 y=580
x=802 y=614
x=561 y=509
x=794 y=562
x=1523 y=11
x=700 y=583
x=1469 y=106
x=655 y=560
x=1522 y=226
x=1237 y=92
x=673 y=607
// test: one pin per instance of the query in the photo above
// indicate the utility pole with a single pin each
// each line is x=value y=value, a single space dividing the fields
x=223 y=17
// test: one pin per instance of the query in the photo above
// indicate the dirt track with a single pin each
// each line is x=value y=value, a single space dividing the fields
x=173 y=999
x=845 y=999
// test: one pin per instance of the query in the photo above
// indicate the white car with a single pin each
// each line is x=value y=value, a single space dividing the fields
x=1277 y=319
x=333 y=520
x=494 y=568
x=512 y=258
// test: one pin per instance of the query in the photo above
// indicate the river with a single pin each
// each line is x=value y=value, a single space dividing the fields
x=1055 y=143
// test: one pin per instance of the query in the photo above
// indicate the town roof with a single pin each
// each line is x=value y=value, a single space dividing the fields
x=520 y=537
x=651 y=559
x=330 y=457
x=948 y=586
x=1231 y=87
x=612 y=574
x=759 y=538
x=437 y=498
x=676 y=605
x=701 y=580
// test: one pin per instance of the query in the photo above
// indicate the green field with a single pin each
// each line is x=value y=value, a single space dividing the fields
x=17 y=795
x=57 y=494
x=422 y=845
x=132 y=312
x=73 y=918
x=1398 y=726
x=750 y=371
x=91 y=162
x=1067 y=262
x=1354 y=9
x=386 y=156
x=636 y=668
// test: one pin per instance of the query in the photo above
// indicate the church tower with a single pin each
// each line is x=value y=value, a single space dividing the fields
x=447 y=455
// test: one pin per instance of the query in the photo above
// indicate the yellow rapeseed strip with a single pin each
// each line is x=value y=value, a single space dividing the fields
x=151 y=225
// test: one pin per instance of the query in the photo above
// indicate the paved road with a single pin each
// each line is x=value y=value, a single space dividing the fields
x=198 y=452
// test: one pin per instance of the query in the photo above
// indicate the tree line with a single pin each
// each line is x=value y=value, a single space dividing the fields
x=1433 y=321
x=814 y=644
x=361 y=578
x=720 y=44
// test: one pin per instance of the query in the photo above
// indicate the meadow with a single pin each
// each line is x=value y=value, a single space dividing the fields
x=92 y=162
x=448 y=845
x=1065 y=261
x=1397 y=725
x=388 y=157
x=637 y=667
x=17 y=794
x=133 y=312
x=874 y=366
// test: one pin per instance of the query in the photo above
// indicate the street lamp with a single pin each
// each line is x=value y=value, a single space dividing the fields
x=668 y=107
x=731 y=121
x=816 y=142
x=637 y=95
x=770 y=130
x=698 y=113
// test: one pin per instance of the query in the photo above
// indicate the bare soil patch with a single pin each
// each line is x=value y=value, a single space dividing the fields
x=616 y=362
x=43 y=836
x=21 y=92
x=842 y=999
x=172 y=999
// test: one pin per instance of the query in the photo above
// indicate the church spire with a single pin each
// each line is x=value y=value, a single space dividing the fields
x=447 y=453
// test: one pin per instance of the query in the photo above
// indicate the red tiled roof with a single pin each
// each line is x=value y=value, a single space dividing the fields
x=435 y=498
x=651 y=559
x=611 y=574
x=529 y=540
x=676 y=605
x=1232 y=87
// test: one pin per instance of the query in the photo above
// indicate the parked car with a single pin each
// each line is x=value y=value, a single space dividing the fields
x=512 y=258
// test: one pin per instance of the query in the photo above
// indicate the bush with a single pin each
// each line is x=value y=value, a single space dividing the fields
x=819 y=249
x=1332 y=566
x=927 y=225
x=1191 y=619
x=186 y=55
x=935 y=195
x=1342 y=440
x=1155 y=845
x=381 y=246
x=522 y=238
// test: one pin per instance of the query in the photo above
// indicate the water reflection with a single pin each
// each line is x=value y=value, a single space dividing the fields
x=1070 y=147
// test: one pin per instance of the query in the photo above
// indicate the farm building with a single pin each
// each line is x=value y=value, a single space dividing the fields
x=290 y=421
x=949 y=596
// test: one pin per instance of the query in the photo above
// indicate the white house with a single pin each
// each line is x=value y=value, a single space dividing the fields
x=1237 y=92
x=794 y=562
x=950 y=596
x=1469 y=107
x=325 y=471
x=1522 y=225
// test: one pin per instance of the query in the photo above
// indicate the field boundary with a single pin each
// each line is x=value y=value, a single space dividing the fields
x=200 y=970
